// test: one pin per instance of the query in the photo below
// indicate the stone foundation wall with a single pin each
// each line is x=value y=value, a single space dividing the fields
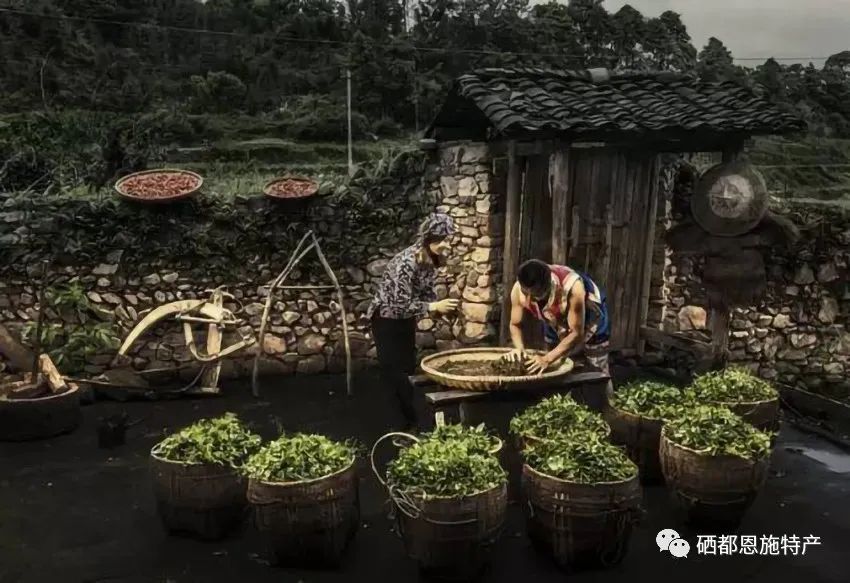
x=470 y=189
x=799 y=334
x=129 y=259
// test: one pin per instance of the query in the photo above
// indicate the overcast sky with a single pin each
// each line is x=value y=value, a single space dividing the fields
x=788 y=28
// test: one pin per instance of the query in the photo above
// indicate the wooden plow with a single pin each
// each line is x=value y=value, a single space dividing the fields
x=210 y=312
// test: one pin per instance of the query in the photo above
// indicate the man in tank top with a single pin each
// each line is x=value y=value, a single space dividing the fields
x=572 y=309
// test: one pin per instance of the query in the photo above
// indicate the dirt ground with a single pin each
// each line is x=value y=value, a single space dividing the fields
x=72 y=512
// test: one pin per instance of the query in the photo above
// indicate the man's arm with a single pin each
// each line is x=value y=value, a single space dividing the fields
x=575 y=319
x=516 y=319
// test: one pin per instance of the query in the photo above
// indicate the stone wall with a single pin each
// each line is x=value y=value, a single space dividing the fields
x=130 y=259
x=469 y=189
x=799 y=334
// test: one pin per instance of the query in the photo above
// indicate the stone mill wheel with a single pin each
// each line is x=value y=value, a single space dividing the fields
x=730 y=199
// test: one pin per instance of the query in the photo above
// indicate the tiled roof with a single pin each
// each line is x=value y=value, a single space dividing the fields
x=523 y=100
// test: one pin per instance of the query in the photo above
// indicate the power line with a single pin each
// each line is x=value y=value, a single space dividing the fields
x=148 y=68
x=292 y=39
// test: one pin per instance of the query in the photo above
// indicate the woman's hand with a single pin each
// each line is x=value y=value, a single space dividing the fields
x=445 y=306
x=538 y=364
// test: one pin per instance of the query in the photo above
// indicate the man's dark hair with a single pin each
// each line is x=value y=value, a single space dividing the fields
x=534 y=275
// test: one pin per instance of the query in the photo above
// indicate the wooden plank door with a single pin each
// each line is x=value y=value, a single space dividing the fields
x=535 y=229
x=605 y=207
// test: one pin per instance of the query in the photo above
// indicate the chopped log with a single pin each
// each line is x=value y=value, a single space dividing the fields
x=17 y=355
x=54 y=380
x=21 y=387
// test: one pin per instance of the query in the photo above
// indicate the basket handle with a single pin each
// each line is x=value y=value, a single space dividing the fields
x=378 y=475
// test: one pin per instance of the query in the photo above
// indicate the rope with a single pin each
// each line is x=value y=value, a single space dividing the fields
x=696 y=500
x=405 y=500
x=378 y=475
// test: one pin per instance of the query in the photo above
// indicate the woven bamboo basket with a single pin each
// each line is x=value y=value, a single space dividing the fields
x=308 y=523
x=711 y=489
x=450 y=538
x=162 y=200
x=431 y=367
x=641 y=437
x=40 y=417
x=580 y=525
x=763 y=415
x=201 y=500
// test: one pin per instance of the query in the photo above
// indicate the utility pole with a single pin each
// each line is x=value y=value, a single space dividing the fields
x=415 y=80
x=348 y=91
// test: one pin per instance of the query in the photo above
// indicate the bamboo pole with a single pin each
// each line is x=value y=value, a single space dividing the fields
x=40 y=323
x=333 y=278
x=293 y=260
x=296 y=257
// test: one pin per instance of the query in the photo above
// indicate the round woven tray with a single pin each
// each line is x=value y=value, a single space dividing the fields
x=431 y=365
x=161 y=200
x=314 y=188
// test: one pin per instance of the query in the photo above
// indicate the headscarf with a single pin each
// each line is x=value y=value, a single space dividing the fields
x=438 y=225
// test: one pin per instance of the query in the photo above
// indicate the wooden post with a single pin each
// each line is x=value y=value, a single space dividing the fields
x=733 y=151
x=719 y=316
x=561 y=204
x=512 y=238
x=719 y=324
x=646 y=282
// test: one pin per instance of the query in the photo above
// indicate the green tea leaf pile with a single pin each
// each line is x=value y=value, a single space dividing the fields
x=715 y=430
x=584 y=458
x=224 y=440
x=300 y=457
x=556 y=416
x=444 y=468
x=732 y=385
x=475 y=439
x=648 y=399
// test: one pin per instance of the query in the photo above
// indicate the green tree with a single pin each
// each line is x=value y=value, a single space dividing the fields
x=771 y=77
x=629 y=29
x=595 y=29
x=715 y=62
x=668 y=43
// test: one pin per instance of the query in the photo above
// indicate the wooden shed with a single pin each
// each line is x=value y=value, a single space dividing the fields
x=583 y=152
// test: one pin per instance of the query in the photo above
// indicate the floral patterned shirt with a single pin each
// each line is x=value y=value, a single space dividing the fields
x=407 y=287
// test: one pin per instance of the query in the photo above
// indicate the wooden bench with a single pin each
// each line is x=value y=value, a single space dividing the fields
x=460 y=405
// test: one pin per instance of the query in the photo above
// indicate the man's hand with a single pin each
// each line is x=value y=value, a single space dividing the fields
x=538 y=364
x=445 y=306
x=515 y=355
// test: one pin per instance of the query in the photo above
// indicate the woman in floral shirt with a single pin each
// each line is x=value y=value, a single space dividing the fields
x=406 y=293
